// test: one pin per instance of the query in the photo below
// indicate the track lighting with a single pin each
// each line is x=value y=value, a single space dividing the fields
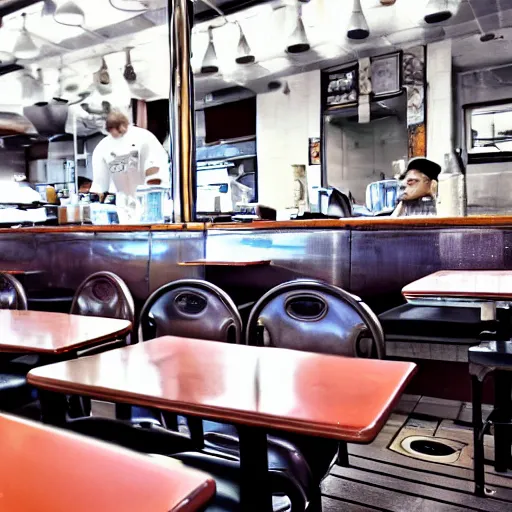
x=438 y=11
x=69 y=13
x=298 y=42
x=357 y=26
x=243 y=54
x=210 y=63
x=25 y=48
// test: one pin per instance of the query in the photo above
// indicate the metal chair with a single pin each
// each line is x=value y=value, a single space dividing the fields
x=102 y=294
x=14 y=390
x=191 y=308
x=12 y=293
x=195 y=309
x=310 y=315
x=199 y=309
x=492 y=357
x=317 y=317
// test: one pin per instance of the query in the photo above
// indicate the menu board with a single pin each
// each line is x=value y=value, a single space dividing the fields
x=340 y=87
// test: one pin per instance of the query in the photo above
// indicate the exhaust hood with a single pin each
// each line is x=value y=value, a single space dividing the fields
x=48 y=118
x=12 y=123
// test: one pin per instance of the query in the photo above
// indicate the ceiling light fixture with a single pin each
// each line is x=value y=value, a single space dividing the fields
x=243 y=53
x=210 y=63
x=357 y=26
x=49 y=8
x=6 y=58
x=25 y=48
x=438 y=11
x=130 y=5
x=298 y=42
x=70 y=14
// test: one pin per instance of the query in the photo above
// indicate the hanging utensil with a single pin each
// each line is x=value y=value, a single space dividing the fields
x=102 y=79
x=103 y=74
x=129 y=73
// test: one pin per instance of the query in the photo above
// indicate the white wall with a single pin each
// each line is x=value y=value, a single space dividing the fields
x=439 y=100
x=284 y=124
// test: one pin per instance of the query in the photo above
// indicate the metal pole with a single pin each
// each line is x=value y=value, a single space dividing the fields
x=181 y=110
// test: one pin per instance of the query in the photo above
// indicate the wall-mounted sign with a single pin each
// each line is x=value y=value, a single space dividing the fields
x=414 y=82
x=386 y=75
x=340 y=87
x=314 y=151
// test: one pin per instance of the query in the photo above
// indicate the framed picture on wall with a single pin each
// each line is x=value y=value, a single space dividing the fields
x=386 y=75
x=314 y=151
x=341 y=87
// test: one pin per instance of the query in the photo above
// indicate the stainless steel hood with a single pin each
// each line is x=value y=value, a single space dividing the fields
x=15 y=124
x=48 y=118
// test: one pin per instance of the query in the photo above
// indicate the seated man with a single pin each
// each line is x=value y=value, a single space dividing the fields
x=418 y=190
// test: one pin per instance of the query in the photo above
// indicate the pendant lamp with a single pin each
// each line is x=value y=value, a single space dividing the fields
x=243 y=54
x=298 y=42
x=69 y=13
x=25 y=48
x=438 y=11
x=357 y=26
x=210 y=63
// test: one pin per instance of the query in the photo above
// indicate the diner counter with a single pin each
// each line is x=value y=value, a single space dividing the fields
x=373 y=258
x=355 y=223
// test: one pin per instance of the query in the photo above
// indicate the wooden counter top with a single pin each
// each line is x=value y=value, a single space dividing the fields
x=356 y=223
x=370 y=223
x=114 y=228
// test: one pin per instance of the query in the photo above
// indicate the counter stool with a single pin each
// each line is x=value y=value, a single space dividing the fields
x=492 y=357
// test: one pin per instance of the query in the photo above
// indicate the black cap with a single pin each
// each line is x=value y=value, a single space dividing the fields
x=424 y=165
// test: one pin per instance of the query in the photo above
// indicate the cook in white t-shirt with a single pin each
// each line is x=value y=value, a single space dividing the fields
x=128 y=157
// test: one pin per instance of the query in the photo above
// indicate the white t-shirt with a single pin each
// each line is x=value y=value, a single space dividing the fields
x=120 y=164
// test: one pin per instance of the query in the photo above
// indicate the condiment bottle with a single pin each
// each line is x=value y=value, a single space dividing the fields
x=51 y=195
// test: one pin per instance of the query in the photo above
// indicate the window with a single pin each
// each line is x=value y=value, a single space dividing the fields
x=489 y=132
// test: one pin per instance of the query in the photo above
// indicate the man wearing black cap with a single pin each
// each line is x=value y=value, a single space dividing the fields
x=418 y=190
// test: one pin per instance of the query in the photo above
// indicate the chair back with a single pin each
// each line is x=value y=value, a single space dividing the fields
x=191 y=308
x=316 y=317
x=12 y=293
x=104 y=294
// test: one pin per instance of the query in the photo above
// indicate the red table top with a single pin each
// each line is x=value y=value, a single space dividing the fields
x=466 y=284
x=55 y=333
x=335 y=397
x=48 y=470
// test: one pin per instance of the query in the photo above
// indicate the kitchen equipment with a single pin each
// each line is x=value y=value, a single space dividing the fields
x=382 y=196
x=150 y=203
x=103 y=214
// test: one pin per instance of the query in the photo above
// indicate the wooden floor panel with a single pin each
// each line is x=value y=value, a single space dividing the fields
x=379 y=479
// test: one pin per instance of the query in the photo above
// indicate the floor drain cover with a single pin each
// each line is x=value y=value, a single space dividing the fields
x=445 y=451
x=432 y=448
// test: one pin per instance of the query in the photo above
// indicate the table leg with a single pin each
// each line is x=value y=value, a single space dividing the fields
x=255 y=493
x=502 y=415
x=478 y=438
x=53 y=407
x=342 y=459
